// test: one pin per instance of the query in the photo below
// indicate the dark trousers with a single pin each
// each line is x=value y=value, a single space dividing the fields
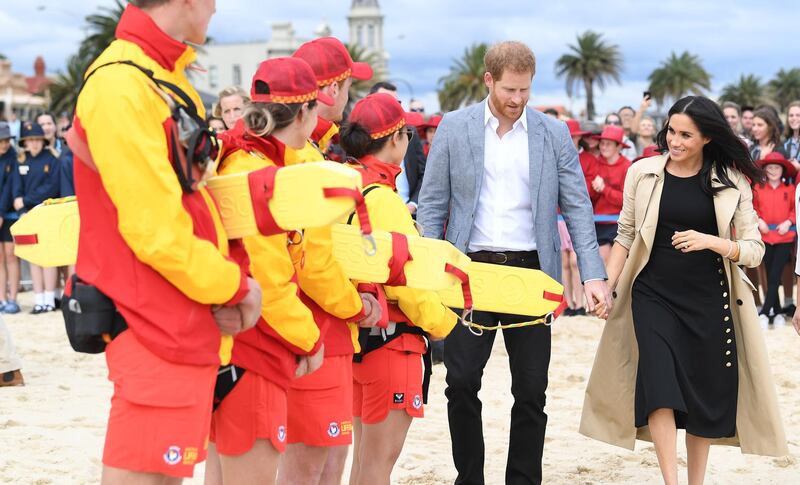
x=529 y=357
x=775 y=258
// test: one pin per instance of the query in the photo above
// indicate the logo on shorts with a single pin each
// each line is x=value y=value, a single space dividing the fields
x=399 y=397
x=190 y=456
x=417 y=402
x=281 y=433
x=173 y=455
x=333 y=430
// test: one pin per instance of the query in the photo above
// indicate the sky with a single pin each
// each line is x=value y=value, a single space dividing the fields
x=423 y=37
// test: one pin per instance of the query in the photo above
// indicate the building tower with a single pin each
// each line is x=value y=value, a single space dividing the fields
x=366 y=30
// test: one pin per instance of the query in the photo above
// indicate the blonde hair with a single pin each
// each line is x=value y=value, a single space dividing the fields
x=512 y=55
x=229 y=91
x=262 y=119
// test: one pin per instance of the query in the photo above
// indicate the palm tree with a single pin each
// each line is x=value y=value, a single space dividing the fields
x=678 y=76
x=785 y=88
x=464 y=84
x=102 y=26
x=747 y=91
x=590 y=61
x=359 y=89
x=64 y=90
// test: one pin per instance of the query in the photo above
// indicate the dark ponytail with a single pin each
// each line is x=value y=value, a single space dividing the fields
x=725 y=151
x=356 y=142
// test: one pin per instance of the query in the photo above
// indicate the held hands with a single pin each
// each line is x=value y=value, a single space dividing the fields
x=598 y=184
x=689 y=241
x=307 y=364
x=372 y=310
x=234 y=319
x=598 y=298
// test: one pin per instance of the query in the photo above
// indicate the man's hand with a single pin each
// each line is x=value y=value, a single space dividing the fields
x=598 y=295
x=372 y=310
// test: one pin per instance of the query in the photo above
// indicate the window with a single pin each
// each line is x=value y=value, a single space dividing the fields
x=371 y=36
x=213 y=77
x=360 y=34
x=237 y=75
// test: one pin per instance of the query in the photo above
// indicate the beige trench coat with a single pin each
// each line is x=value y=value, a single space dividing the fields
x=608 y=409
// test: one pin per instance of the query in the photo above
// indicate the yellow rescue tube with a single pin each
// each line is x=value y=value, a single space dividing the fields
x=505 y=289
x=47 y=235
x=425 y=271
x=298 y=202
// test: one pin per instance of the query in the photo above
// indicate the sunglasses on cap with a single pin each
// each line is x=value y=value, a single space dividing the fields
x=408 y=131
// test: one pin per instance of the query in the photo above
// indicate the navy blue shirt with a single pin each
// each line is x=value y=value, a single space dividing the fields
x=66 y=182
x=10 y=181
x=40 y=178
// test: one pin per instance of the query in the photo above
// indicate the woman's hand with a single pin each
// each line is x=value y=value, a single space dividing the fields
x=689 y=241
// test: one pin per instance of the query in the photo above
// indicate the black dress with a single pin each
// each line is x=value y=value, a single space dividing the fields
x=683 y=323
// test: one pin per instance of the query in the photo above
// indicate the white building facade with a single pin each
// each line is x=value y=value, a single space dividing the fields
x=234 y=64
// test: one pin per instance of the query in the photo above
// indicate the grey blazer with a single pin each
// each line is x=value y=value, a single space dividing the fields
x=454 y=173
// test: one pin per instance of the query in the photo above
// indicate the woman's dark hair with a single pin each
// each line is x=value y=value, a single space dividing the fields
x=356 y=142
x=725 y=151
x=262 y=119
x=770 y=116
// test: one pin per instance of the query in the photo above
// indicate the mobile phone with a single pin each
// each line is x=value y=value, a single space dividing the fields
x=646 y=94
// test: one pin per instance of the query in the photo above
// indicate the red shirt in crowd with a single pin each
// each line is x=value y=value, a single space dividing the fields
x=609 y=201
x=775 y=206
x=588 y=162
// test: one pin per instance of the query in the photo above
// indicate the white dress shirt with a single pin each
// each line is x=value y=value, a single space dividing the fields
x=401 y=182
x=504 y=216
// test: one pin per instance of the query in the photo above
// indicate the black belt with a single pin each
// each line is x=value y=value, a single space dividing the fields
x=502 y=257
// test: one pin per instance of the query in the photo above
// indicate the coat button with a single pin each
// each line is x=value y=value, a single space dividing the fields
x=728 y=352
x=727 y=330
x=725 y=295
x=727 y=318
x=720 y=271
x=728 y=364
x=739 y=302
x=729 y=341
x=721 y=283
x=719 y=260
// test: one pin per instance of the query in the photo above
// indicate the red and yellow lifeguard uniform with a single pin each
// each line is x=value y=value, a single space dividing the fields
x=157 y=252
x=319 y=404
x=391 y=376
x=256 y=406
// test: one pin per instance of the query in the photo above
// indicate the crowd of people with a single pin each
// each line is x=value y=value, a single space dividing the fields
x=297 y=386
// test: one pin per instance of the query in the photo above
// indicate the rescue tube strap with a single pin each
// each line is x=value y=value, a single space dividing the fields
x=546 y=320
x=370 y=246
x=466 y=314
x=400 y=256
x=262 y=189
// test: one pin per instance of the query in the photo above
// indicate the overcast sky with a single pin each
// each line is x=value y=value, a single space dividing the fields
x=423 y=36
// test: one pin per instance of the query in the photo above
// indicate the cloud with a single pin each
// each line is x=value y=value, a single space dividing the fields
x=423 y=36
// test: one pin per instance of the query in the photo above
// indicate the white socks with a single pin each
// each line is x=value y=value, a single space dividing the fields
x=50 y=298
x=39 y=299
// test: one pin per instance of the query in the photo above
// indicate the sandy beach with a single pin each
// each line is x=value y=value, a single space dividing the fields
x=52 y=430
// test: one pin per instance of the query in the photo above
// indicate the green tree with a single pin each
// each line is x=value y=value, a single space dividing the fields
x=679 y=76
x=64 y=90
x=102 y=27
x=464 y=83
x=785 y=87
x=591 y=62
x=359 y=89
x=747 y=91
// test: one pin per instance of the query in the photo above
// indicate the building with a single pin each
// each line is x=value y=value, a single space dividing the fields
x=23 y=96
x=235 y=63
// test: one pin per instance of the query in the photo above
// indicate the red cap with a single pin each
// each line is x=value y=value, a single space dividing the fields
x=778 y=159
x=613 y=133
x=379 y=114
x=415 y=119
x=433 y=122
x=289 y=80
x=575 y=128
x=649 y=151
x=331 y=61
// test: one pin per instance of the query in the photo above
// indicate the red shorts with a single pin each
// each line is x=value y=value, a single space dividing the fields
x=254 y=409
x=160 y=411
x=319 y=405
x=387 y=379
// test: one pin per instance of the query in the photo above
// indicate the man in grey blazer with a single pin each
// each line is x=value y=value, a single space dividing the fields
x=496 y=174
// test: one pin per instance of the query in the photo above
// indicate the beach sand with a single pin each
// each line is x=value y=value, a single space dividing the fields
x=52 y=430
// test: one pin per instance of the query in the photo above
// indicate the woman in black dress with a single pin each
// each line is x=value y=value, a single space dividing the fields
x=687 y=370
